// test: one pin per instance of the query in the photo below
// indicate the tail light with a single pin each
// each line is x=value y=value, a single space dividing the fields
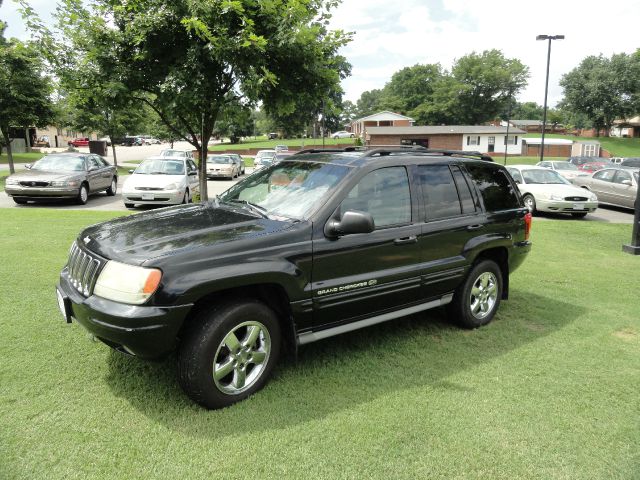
x=527 y=225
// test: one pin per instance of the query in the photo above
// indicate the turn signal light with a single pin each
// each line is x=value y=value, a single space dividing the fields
x=527 y=225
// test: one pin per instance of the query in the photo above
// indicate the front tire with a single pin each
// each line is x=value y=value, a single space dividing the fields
x=83 y=194
x=476 y=301
x=186 y=198
x=579 y=214
x=228 y=352
x=19 y=201
x=111 y=191
x=129 y=205
x=529 y=202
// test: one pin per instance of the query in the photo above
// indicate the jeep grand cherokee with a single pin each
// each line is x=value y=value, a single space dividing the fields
x=317 y=245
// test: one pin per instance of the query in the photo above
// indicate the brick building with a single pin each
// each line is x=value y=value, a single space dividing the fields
x=380 y=119
x=471 y=138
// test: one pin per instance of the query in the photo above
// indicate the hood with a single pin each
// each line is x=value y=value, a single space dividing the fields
x=45 y=175
x=222 y=166
x=554 y=189
x=151 y=181
x=138 y=238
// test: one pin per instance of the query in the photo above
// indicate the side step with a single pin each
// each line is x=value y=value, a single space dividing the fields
x=309 y=337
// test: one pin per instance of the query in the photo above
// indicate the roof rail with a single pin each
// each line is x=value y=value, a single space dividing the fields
x=331 y=150
x=402 y=149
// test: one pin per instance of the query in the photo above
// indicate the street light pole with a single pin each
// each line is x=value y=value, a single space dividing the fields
x=546 y=87
x=634 y=247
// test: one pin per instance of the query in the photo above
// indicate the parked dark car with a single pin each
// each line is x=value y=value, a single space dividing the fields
x=129 y=141
x=317 y=245
x=63 y=176
x=577 y=161
x=633 y=162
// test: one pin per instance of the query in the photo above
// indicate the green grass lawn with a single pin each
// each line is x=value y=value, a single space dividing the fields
x=21 y=157
x=549 y=390
x=262 y=142
x=619 y=147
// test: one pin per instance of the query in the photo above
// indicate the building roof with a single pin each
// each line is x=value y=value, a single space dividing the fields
x=443 y=130
x=526 y=123
x=384 y=116
x=548 y=141
x=634 y=121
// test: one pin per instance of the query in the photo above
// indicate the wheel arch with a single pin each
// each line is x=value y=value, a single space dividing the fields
x=273 y=295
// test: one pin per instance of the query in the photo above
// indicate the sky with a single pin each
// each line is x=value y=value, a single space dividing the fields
x=392 y=34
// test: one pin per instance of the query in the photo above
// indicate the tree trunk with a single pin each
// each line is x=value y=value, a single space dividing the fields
x=113 y=149
x=202 y=167
x=5 y=135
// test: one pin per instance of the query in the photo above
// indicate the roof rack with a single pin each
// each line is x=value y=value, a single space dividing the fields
x=419 y=150
x=331 y=150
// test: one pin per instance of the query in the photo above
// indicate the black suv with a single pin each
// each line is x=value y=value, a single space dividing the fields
x=319 y=244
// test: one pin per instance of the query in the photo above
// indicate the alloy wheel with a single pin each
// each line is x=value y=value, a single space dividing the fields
x=484 y=294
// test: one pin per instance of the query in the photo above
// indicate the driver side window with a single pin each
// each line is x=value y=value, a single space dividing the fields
x=384 y=194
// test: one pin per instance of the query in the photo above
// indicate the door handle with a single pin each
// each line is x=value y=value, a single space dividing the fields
x=406 y=240
x=474 y=227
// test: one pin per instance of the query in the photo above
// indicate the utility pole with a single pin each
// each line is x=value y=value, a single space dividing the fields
x=546 y=87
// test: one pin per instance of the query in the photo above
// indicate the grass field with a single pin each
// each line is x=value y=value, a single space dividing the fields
x=262 y=142
x=549 y=390
x=21 y=157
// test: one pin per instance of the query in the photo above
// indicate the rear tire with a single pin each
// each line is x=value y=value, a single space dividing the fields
x=129 y=205
x=476 y=301
x=111 y=191
x=19 y=201
x=228 y=352
x=529 y=202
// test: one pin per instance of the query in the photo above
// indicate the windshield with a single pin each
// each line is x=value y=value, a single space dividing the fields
x=289 y=189
x=160 y=167
x=543 y=176
x=219 y=160
x=172 y=153
x=60 y=163
x=565 y=166
x=263 y=155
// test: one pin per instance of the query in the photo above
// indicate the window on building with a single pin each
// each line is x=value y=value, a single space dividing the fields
x=511 y=140
x=473 y=140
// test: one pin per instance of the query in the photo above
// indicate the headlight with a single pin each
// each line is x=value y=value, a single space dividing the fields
x=65 y=183
x=171 y=186
x=11 y=181
x=555 y=197
x=593 y=197
x=127 y=283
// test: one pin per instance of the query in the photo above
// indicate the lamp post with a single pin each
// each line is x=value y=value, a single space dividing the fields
x=546 y=87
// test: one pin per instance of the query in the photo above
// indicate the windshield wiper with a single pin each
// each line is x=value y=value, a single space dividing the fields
x=256 y=208
x=158 y=173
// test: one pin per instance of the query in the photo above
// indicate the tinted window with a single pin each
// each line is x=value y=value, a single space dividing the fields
x=439 y=191
x=92 y=161
x=496 y=189
x=383 y=193
x=621 y=176
x=464 y=191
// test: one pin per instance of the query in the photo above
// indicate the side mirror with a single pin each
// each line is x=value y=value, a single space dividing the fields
x=28 y=166
x=518 y=182
x=626 y=182
x=132 y=170
x=352 y=222
x=93 y=168
x=192 y=173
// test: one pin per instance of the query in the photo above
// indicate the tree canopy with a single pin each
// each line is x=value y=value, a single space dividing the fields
x=24 y=90
x=191 y=61
x=604 y=89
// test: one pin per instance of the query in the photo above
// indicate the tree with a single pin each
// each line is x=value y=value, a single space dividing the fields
x=411 y=87
x=369 y=103
x=24 y=90
x=349 y=112
x=235 y=123
x=524 y=111
x=190 y=61
x=486 y=82
x=604 y=89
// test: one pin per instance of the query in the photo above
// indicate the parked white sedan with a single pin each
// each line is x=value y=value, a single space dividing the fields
x=545 y=190
x=342 y=134
x=161 y=181
x=566 y=169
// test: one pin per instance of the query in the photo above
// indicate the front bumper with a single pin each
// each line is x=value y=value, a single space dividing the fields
x=41 y=192
x=144 y=331
x=154 y=197
x=219 y=174
x=564 y=206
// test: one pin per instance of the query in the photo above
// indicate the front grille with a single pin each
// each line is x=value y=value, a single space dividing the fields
x=34 y=184
x=576 y=199
x=83 y=269
x=149 y=188
x=154 y=199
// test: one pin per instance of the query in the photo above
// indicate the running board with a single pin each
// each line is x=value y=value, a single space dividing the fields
x=309 y=337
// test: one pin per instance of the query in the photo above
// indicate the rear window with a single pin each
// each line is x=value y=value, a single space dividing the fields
x=496 y=189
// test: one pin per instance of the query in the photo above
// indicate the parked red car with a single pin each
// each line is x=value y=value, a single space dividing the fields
x=80 y=142
x=591 y=167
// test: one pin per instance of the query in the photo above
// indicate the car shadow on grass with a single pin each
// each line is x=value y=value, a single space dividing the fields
x=342 y=372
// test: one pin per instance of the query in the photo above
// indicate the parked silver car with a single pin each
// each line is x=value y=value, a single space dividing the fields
x=161 y=181
x=63 y=176
x=566 y=169
x=222 y=166
x=613 y=186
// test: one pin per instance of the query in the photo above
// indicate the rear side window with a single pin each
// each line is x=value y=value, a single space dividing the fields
x=439 y=191
x=495 y=188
